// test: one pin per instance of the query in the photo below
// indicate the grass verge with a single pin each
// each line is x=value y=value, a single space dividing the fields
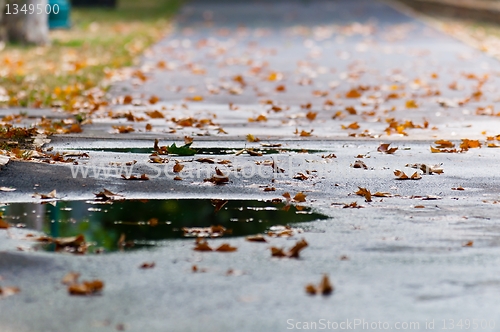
x=78 y=59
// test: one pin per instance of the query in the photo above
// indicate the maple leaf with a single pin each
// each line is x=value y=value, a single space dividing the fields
x=311 y=115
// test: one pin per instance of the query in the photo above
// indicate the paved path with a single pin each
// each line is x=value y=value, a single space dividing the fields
x=405 y=264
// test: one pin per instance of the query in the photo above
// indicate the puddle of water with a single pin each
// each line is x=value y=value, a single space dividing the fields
x=103 y=224
x=203 y=151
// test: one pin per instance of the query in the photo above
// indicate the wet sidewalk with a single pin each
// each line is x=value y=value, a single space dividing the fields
x=294 y=97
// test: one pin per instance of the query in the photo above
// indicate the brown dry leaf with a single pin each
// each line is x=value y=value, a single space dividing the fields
x=256 y=238
x=427 y=169
x=154 y=99
x=297 y=248
x=469 y=144
x=4 y=224
x=411 y=104
x=299 y=197
x=226 y=247
x=442 y=144
x=205 y=160
x=188 y=140
x=149 y=127
x=195 y=98
x=325 y=287
x=269 y=189
x=353 y=125
x=70 y=278
x=277 y=252
x=311 y=289
x=50 y=195
x=8 y=291
x=124 y=129
x=280 y=88
x=107 y=195
x=178 y=167
x=353 y=94
x=489 y=145
x=143 y=177
x=359 y=164
x=219 y=178
x=155 y=114
x=202 y=245
x=416 y=176
x=353 y=205
x=468 y=244
x=311 y=115
x=458 y=188
x=419 y=207
x=304 y=133
x=252 y=138
x=86 y=287
x=147 y=265
x=364 y=192
x=400 y=175
x=287 y=196
x=382 y=194
x=384 y=147
x=127 y=99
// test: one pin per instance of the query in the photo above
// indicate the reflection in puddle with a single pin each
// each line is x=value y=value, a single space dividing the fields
x=209 y=151
x=149 y=222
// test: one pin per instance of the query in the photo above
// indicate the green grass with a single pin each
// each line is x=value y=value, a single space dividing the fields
x=100 y=40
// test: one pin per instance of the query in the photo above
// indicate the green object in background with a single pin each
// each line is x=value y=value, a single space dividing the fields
x=59 y=15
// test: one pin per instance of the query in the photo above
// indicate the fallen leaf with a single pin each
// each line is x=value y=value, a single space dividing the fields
x=297 y=248
x=225 y=247
x=256 y=238
x=353 y=125
x=202 y=245
x=178 y=167
x=411 y=104
x=252 y=138
x=8 y=291
x=359 y=164
x=70 y=278
x=219 y=178
x=468 y=244
x=107 y=195
x=384 y=147
x=325 y=287
x=86 y=287
x=299 y=197
x=7 y=189
x=147 y=265
x=143 y=177
x=364 y=192
x=458 y=188
x=4 y=224
x=353 y=94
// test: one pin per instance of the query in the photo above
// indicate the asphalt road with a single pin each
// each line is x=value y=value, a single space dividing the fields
x=408 y=265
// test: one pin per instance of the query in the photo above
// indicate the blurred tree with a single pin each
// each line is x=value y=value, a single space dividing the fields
x=25 y=27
